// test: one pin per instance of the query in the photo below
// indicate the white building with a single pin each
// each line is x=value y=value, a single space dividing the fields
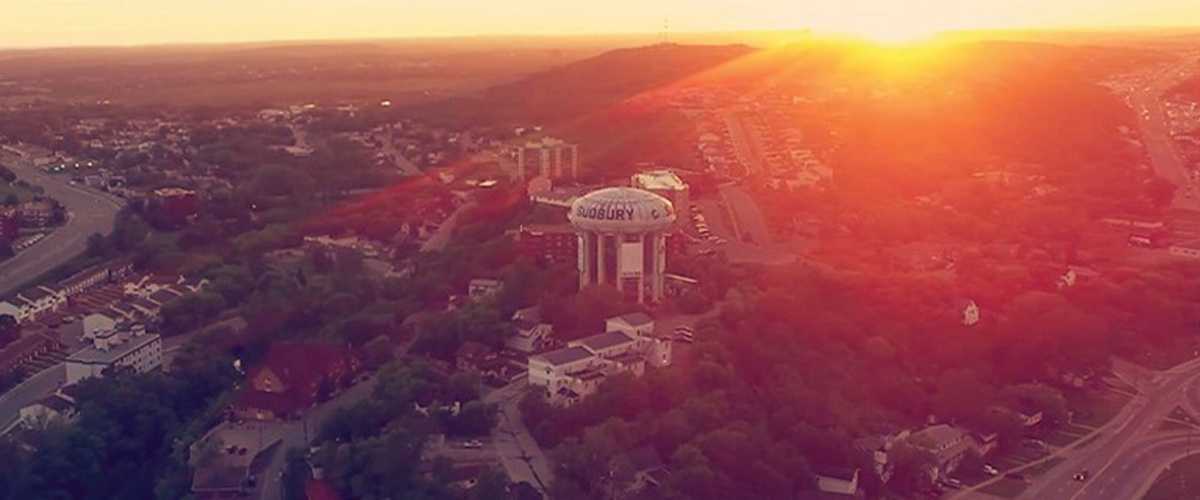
x=17 y=312
x=38 y=300
x=622 y=240
x=135 y=349
x=530 y=336
x=576 y=371
x=96 y=323
x=665 y=183
x=970 y=312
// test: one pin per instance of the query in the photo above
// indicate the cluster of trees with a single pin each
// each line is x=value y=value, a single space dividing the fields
x=803 y=361
x=131 y=436
x=373 y=449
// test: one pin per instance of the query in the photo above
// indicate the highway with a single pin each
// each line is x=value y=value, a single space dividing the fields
x=1125 y=455
x=1146 y=100
x=89 y=212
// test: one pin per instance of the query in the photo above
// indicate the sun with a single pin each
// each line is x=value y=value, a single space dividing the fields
x=896 y=31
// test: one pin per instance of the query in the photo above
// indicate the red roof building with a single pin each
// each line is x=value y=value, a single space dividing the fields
x=293 y=377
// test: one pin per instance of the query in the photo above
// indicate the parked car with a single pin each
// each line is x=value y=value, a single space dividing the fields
x=1081 y=475
x=473 y=444
x=990 y=470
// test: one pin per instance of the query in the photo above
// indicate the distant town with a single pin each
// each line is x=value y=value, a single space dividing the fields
x=794 y=272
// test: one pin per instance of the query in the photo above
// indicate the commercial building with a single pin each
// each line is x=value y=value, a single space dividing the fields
x=664 y=183
x=550 y=158
x=622 y=240
x=134 y=349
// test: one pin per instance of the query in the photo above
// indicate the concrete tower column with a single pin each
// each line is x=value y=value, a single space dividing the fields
x=602 y=264
x=642 y=277
x=660 y=266
x=583 y=262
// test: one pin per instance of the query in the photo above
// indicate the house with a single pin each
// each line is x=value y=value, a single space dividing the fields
x=636 y=324
x=552 y=369
x=637 y=470
x=969 y=311
x=19 y=353
x=482 y=289
x=56 y=407
x=293 y=377
x=949 y=445
x=39 y=300
x=94 y=276
x=17 y=312
x=132 y=348
x=576 y=371
x=839 y=483
x=530 y=336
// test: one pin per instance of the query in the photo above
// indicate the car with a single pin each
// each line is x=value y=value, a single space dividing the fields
x=1081 y=475
x=990 y=470
x=473 y=444
x=953 y=483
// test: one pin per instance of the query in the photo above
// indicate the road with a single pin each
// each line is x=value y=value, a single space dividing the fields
x=523 y=459
x=32 y=389
x=301 y=434
x=90 y=212
x=1124 y=453
x=441 y=237
x=1146 y=100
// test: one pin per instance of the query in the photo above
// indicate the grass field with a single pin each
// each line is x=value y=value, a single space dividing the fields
x=1182 y=480
x=22 y=194
x=1095 y=409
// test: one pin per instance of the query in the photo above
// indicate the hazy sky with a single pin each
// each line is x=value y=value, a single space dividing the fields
x=103 y=22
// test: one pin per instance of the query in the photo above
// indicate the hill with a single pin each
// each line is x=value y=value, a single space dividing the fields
x=564 y=94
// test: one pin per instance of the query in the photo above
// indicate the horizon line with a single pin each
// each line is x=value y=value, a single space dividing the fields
x=1100 y=29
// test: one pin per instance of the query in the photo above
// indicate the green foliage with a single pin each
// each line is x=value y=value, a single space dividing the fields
x=124 y=441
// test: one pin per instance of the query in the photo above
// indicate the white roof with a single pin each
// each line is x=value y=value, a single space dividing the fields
x=659 y=180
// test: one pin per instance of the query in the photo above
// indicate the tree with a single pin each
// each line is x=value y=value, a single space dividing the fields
x=96 y=246
x=10 y=330
x=6 y=248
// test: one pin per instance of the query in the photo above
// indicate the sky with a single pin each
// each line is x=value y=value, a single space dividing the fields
x=41 y=23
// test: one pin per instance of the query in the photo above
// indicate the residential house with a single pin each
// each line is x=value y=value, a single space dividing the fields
x=39 y=300
x=482 y=289
x=949 y=445
x=56 y=407
x=530 y=336
x=839 y=483
x=19 y=353
x=17 y=312
x=148 y=284
x=635 y=471
x=293 y=377
x=636 y=324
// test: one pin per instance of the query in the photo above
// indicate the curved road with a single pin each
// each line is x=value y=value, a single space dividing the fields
x=90 y=212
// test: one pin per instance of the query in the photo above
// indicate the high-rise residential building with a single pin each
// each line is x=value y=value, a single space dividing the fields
x=550 y=158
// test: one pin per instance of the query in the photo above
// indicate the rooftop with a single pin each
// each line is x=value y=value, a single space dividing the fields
x=634 y=319
x=659 y=180
x=94 y=356
x=605 y=340
x=565 y=356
